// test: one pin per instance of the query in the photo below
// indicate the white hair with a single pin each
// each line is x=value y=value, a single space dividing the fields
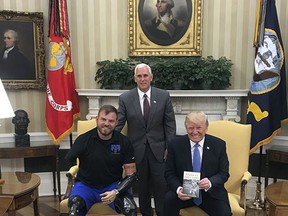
x=14 y=33
x=141 y=65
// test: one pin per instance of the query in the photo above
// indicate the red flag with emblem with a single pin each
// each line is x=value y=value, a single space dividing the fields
x=62 y=105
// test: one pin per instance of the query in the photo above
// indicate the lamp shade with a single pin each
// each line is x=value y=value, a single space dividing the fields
x=6 y=110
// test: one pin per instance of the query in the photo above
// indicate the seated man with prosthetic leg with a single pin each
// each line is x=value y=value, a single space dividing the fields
x=103 y=153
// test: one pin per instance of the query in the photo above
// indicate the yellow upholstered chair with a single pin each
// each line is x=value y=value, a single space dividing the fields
x=98 y=208
x=237 y=137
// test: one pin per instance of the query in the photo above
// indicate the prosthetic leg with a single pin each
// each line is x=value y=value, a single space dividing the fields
x=125 y=205
x=75 y=204
x=123 y=202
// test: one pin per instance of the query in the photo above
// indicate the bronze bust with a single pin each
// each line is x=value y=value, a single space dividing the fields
x=21 y=121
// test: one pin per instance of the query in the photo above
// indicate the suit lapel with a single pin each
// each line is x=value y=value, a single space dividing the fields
x=187 y=154
x=207 y=150
x=153 y=105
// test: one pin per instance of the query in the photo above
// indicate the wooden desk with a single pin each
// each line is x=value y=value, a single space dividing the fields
x=276 y=154
x=19 y=190
x=37 y=151
x=276 y=199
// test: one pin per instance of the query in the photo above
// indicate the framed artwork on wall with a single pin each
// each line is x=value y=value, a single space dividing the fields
x=165 y=27
x=22 y=51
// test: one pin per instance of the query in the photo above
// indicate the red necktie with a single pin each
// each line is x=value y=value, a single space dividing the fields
x=146 y=109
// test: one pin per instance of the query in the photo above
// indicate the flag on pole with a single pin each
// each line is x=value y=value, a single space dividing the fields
x=61 y=99
x=267 y=102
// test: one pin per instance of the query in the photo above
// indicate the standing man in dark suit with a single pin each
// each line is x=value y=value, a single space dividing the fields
x=213 y=168
x=148 y=131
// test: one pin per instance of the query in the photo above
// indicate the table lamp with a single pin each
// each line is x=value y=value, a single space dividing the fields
x=6 y=111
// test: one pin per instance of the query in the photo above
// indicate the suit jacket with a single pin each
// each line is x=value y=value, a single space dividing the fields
x=161 y=124
x=16 y=66
x=215 y=164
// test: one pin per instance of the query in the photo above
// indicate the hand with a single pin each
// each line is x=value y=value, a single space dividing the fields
x=183 y=196
x=204 y=184
x=108 y=197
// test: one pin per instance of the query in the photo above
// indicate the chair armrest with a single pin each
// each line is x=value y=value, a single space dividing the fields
x=246 y=177
x=72 y=172
x=71 y=175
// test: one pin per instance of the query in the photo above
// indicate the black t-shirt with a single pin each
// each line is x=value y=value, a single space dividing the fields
x=101 y=161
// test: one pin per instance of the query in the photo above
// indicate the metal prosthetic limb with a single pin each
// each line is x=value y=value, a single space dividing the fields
x=75 y=204
x=123 y=201
x=126 y=183
x=126 y=204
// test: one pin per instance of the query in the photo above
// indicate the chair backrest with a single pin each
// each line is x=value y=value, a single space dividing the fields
x=86 y=125
x=237 y=137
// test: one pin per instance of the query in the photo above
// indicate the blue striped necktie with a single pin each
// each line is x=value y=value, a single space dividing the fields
x=197 y=168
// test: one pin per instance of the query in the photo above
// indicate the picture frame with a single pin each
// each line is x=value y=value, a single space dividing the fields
x=148 y=36
x=24 y=65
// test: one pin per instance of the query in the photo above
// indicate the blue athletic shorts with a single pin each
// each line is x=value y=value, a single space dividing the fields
x=91 y=195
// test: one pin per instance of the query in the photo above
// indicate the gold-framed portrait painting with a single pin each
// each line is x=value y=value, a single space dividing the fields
x=165 y=27
x=22 y=51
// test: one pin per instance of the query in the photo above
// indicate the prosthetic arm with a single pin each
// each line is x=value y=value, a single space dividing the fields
x=124 y=202
x=125 y=184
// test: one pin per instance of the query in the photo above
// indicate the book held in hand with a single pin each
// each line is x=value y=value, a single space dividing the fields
x=190 y=183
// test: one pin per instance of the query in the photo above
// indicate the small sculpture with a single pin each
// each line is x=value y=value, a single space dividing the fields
x=21 y=121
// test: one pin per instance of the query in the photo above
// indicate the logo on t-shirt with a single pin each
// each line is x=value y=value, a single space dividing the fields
x=115 y=148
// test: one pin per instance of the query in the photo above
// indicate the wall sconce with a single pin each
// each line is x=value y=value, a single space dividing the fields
x=6 y=111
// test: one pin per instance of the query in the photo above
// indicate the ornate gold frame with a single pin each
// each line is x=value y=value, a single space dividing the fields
x=14 y=20
x=189 y=44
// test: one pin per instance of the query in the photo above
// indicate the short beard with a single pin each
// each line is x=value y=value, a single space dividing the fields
x=105 y=135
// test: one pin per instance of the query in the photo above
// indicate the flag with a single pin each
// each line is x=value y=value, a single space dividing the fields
x=62 y=105
x=267 y=103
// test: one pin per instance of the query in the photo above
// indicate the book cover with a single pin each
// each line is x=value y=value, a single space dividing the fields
x=190 y=183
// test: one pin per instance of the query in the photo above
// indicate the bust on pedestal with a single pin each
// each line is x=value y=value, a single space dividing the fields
x=21 y=121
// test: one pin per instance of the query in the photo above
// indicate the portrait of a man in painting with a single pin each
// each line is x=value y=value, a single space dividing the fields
x=164 y=22
x=17 y=52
